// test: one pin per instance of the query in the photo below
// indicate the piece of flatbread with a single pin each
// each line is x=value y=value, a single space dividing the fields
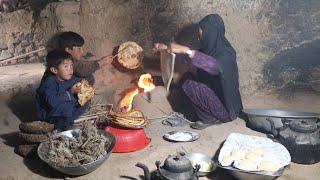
x=167 y=68
x=130 y=55
x=86 y=92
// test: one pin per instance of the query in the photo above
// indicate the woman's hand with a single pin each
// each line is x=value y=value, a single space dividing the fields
x=159 y=47
x=177 y=48
x=180 y=49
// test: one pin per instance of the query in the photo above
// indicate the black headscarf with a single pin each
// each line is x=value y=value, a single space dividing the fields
x=215 y=44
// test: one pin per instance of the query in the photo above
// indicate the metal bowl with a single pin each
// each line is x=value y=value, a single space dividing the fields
x=81 y=169
x=268 y=120
x=206 y=163
x=254 y=175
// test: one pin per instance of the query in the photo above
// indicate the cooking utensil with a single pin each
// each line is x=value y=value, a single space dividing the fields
x=302 y=139
x=174 y=167
x=206 y=163
x=245 y=175
x=81 y=169
x=261 y=119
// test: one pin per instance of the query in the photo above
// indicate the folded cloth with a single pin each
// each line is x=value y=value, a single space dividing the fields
x=175 y=119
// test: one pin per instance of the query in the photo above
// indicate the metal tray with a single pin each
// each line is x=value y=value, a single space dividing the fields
x=280 y=113
x=254 y=175
x=264 y=119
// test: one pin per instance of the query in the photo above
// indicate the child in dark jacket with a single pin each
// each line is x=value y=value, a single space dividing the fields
x=56 y=100
x=72 y=43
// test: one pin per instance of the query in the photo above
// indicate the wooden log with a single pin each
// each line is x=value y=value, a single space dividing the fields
x=22 y=55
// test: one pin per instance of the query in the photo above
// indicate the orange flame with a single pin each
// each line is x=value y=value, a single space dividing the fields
x=145 y=83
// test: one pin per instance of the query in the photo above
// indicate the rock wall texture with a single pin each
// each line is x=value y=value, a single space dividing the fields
x=18 y=36
x=274 y=39
x=270 y=37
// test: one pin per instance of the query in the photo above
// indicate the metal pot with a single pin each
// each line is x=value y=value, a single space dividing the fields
x=206 y=163
x=261 y=119
x=302 y=139
x=175 y=167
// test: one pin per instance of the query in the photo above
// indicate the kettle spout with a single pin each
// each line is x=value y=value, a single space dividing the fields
x=147 y=175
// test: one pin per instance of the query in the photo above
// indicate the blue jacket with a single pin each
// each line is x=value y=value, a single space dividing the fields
x=54 y=101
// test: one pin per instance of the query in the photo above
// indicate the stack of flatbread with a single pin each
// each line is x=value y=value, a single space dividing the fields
x=130 y=55
x=86 y=92
x=132 y=119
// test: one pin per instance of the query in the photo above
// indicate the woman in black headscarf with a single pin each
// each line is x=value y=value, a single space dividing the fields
x=214 y=90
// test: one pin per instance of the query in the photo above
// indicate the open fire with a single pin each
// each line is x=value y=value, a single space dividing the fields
x=145 y=84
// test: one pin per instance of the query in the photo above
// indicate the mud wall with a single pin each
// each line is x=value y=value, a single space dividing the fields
x=19 y=35
x=270 y=36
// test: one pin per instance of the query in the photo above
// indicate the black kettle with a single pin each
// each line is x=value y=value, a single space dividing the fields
x=175 y=167
x=302 y=139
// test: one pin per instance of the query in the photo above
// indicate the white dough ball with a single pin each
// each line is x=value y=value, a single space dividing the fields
x=253 y=157
x=257 y=151
x=267 y=166
x=238 y=154
x=227 y=160
x=247 y=165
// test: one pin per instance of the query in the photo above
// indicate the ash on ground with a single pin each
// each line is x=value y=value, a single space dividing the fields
x=85 y=148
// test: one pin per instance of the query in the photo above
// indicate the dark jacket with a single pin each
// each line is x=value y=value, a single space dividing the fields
x=226 y=84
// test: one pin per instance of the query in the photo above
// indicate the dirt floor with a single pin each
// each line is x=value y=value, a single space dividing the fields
x=122 y=166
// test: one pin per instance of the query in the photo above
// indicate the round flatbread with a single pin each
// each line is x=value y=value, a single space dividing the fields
x=130 y=55
x=86 y=92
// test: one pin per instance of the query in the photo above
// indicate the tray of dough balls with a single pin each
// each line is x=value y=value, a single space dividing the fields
x=253 y=154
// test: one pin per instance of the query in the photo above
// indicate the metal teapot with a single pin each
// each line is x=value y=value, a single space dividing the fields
x=175 y=167
x=302 y=139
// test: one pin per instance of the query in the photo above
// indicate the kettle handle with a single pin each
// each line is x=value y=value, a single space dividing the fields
x=158 y=167
x=195 y=171
x=147 y=175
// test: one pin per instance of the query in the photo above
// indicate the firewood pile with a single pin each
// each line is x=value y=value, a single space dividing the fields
x=32 y=133
x=315 y=78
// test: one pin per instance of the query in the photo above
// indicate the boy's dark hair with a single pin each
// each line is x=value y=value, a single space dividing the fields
x=56 y=57
x=70 y=39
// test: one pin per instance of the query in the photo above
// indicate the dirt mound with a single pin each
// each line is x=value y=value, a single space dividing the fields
x=33 y=138
x=36 y=127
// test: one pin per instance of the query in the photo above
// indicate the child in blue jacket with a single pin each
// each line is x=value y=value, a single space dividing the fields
x=56 y=100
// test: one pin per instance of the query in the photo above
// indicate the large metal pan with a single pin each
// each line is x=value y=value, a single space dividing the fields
x=245 y=175
x=268 y=120
x=81 y=169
